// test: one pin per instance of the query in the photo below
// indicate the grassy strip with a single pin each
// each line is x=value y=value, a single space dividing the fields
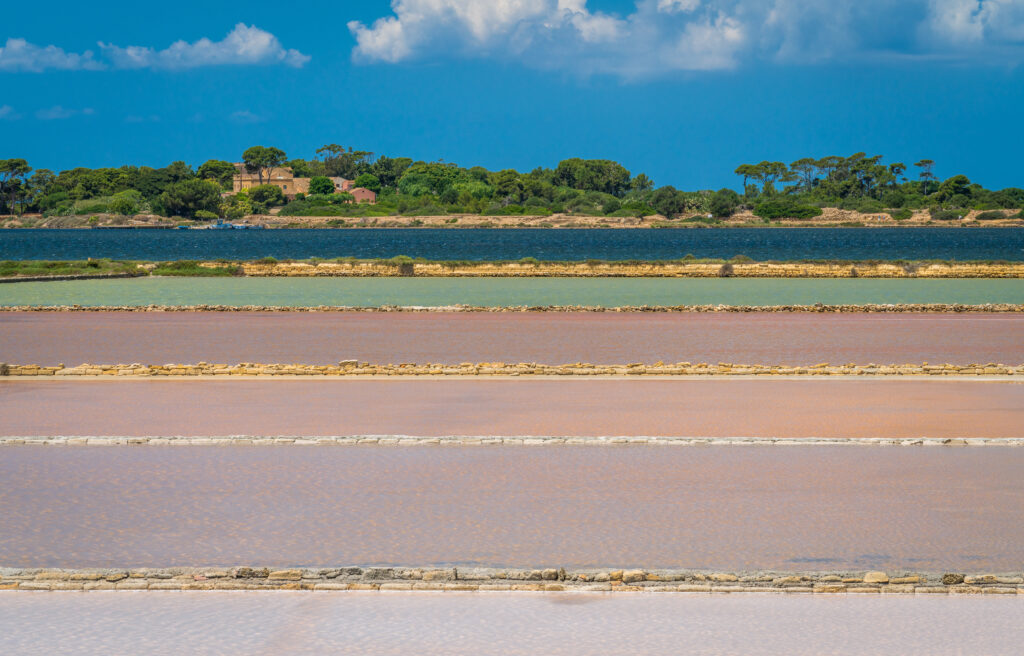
x=191 y=268
x=90 y=267
x=225 y=268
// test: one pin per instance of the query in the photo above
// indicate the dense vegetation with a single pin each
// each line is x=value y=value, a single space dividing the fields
x=771 y=190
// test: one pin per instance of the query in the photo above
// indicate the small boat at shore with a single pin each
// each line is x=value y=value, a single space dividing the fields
x=224 y=225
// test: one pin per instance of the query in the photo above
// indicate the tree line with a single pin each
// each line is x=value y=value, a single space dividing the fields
x=596 y=187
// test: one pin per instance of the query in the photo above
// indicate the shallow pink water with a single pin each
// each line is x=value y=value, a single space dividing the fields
x=427 y=407
x=732 y=508
x=214 y=623
x=551 y=338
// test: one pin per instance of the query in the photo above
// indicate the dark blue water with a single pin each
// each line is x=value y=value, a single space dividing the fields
x=484 y=244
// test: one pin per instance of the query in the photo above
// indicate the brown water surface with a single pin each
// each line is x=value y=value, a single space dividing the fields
x=577 y=407
x=546 y=337
x=302 y=623
x=735 y=508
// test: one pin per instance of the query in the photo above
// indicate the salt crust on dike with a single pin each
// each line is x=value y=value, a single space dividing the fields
x=353 y=368
x=530 y=580
x=671 y=269
x=637 y=270
x=819 y=308
x=497 y=440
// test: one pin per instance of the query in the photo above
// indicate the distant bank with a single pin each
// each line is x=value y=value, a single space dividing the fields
x=830 y=217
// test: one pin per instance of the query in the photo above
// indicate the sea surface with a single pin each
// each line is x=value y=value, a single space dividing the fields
x=505 y=624
x=718 y=407
x=505 y=244
x=797 y=508
x=434 y=292
x=804 y=339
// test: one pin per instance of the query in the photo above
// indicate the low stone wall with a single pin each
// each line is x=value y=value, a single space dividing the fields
x=819 y=308
x=353 y=368
x=497 y=440
x=487 y=579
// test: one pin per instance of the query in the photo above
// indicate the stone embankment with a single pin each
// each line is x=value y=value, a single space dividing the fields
x=530 y=580
x=355 y=368
x=497 y=440
x=673 y=269
x=818 y=308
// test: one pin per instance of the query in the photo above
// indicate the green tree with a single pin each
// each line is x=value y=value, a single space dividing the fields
x=807 y=171
x=389 y=170
x=925 y=175
x=593 y=175
x=221 y=172
x=507 y=185
x=368 y=181
x=188 y=197
x=345 y=162
x=668 y=201
x=958 y=185
x=321 y=184
x=12 y=177
x=724 y=202
x=641 y=183
x=747 y=172
x=263 y=160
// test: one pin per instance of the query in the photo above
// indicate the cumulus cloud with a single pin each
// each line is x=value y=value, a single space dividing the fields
x=18 y=55
x=661 y=36
x=972 y=22
x=59 y=113
x=245 y=45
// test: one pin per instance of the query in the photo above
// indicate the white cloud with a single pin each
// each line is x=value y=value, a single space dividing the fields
x=59 y=113
x=245 y=116
x=19 y=55
x=7 y=113
x=976 y=22
x=662 y=36
x=244 y=46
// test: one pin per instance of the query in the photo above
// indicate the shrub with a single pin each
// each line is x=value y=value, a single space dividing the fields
x=726 y=270
x=742 y=259
x=901 y=214
x=123 y=205
x=266 y=260
x=869 y=206
x=532 y=261
x=990 y=216
x=268 y=194
x=404 y=263
x=894 y=199
x=785 y=208
x=206 y=215
x=689 y=257
x=939 y=214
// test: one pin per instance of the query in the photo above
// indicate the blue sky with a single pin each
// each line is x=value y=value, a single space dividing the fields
x=683 y=90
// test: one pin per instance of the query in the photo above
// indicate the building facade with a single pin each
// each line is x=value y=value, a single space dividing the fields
x=290 y=185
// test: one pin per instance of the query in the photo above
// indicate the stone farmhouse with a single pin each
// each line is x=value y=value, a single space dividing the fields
x=290 y=185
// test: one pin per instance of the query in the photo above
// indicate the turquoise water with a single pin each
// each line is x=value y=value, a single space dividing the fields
x=508 y=291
